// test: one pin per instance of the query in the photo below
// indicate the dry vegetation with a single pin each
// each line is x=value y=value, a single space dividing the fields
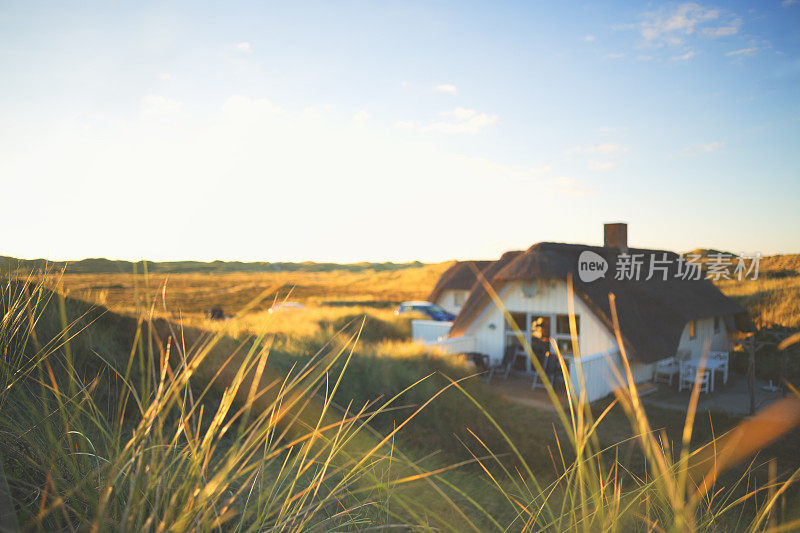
x=194 y=293
x=774 y=298
x=613 y=475
x=122 y=422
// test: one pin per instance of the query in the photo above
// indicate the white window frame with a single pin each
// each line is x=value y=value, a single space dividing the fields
x=526 y=330
x=459 y=298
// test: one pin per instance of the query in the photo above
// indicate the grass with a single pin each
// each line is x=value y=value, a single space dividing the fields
x=773 y=299
x=194 y=293
x=769 y=300
x=154 y=435
x=318 y=419
x=193 y=288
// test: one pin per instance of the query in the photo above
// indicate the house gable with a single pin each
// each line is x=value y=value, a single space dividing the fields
x=540 y=297
x=652 y=312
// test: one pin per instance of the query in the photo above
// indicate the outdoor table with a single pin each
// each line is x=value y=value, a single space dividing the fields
x=712 y=365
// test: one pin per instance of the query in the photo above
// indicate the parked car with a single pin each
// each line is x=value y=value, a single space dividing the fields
x=430 y=310
x=216 y=313
x=286 y=306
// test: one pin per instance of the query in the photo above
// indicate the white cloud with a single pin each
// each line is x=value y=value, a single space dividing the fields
x=603 y=148
x=446 y=88
x=743 y=51
x=405 y=84
x=710 y=147
x=564 y=186
x=589 y=38
x=601 y=166
x=673 y=25
x=244 y=47
x=614 y=56
x=515 y=172
x=361 y=117
x=732 y=28
x=685 y=56
x=461 y=120
x=702 y=148
x=165 y=76
x=405 y=125
x=157 y=105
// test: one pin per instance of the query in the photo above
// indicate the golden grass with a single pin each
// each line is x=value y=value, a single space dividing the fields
x=195 y=293
x=307 y=322
x=253 y=446
x=769 y=300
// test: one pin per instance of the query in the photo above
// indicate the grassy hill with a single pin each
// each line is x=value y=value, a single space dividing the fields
x=108 y=266
x=118 y=420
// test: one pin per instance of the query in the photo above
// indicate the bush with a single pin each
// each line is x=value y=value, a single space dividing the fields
x=374 y=330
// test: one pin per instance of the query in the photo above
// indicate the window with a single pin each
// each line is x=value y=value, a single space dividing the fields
x=459 y=297
x=540 y=330
x=562 y=325
x=565 y=346
x=540 y=327
x=692 y=329
x=519 y=320
x=563 y=336
x=716 y=324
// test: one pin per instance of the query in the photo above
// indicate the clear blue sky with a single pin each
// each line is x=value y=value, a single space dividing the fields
x=430 y=130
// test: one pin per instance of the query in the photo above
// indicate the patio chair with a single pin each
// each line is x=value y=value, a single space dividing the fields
x=688 y=377
x=504 y=367
x=537 y=379
x=551 y=369
x=721 y=356
x=480 y=360
x=664 y=370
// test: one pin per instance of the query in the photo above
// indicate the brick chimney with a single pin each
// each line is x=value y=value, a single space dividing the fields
x=615 y=235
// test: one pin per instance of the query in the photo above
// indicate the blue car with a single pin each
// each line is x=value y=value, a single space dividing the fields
x=430 y=310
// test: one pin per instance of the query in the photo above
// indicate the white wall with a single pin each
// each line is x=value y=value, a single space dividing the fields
x=550 y=298
x=705 y=333
x=594 y=340
x=452 y=301
x=426 y=331
x=598 y=377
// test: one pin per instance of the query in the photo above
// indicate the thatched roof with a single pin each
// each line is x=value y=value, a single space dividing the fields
x=652 y=314
x=459 y=277
x=479 y=298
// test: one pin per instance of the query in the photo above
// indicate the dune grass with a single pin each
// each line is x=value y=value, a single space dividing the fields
x=770 y=300
x=136 y=423
x=195 y=292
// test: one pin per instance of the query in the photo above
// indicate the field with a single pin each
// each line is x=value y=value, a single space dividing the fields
x=774 y=298
x=190 y=289
x=194 y=293
x=468 y=458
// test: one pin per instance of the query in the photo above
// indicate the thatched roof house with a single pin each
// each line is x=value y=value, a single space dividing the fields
x=455 y=284
x=479 y=298
x=661 y=312
x=652 y=313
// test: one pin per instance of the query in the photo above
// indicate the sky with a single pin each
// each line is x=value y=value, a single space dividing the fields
x=397 y=130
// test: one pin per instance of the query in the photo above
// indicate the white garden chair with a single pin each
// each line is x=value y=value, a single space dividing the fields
x=721 y=356
x=664 y=370
x=689 y=375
